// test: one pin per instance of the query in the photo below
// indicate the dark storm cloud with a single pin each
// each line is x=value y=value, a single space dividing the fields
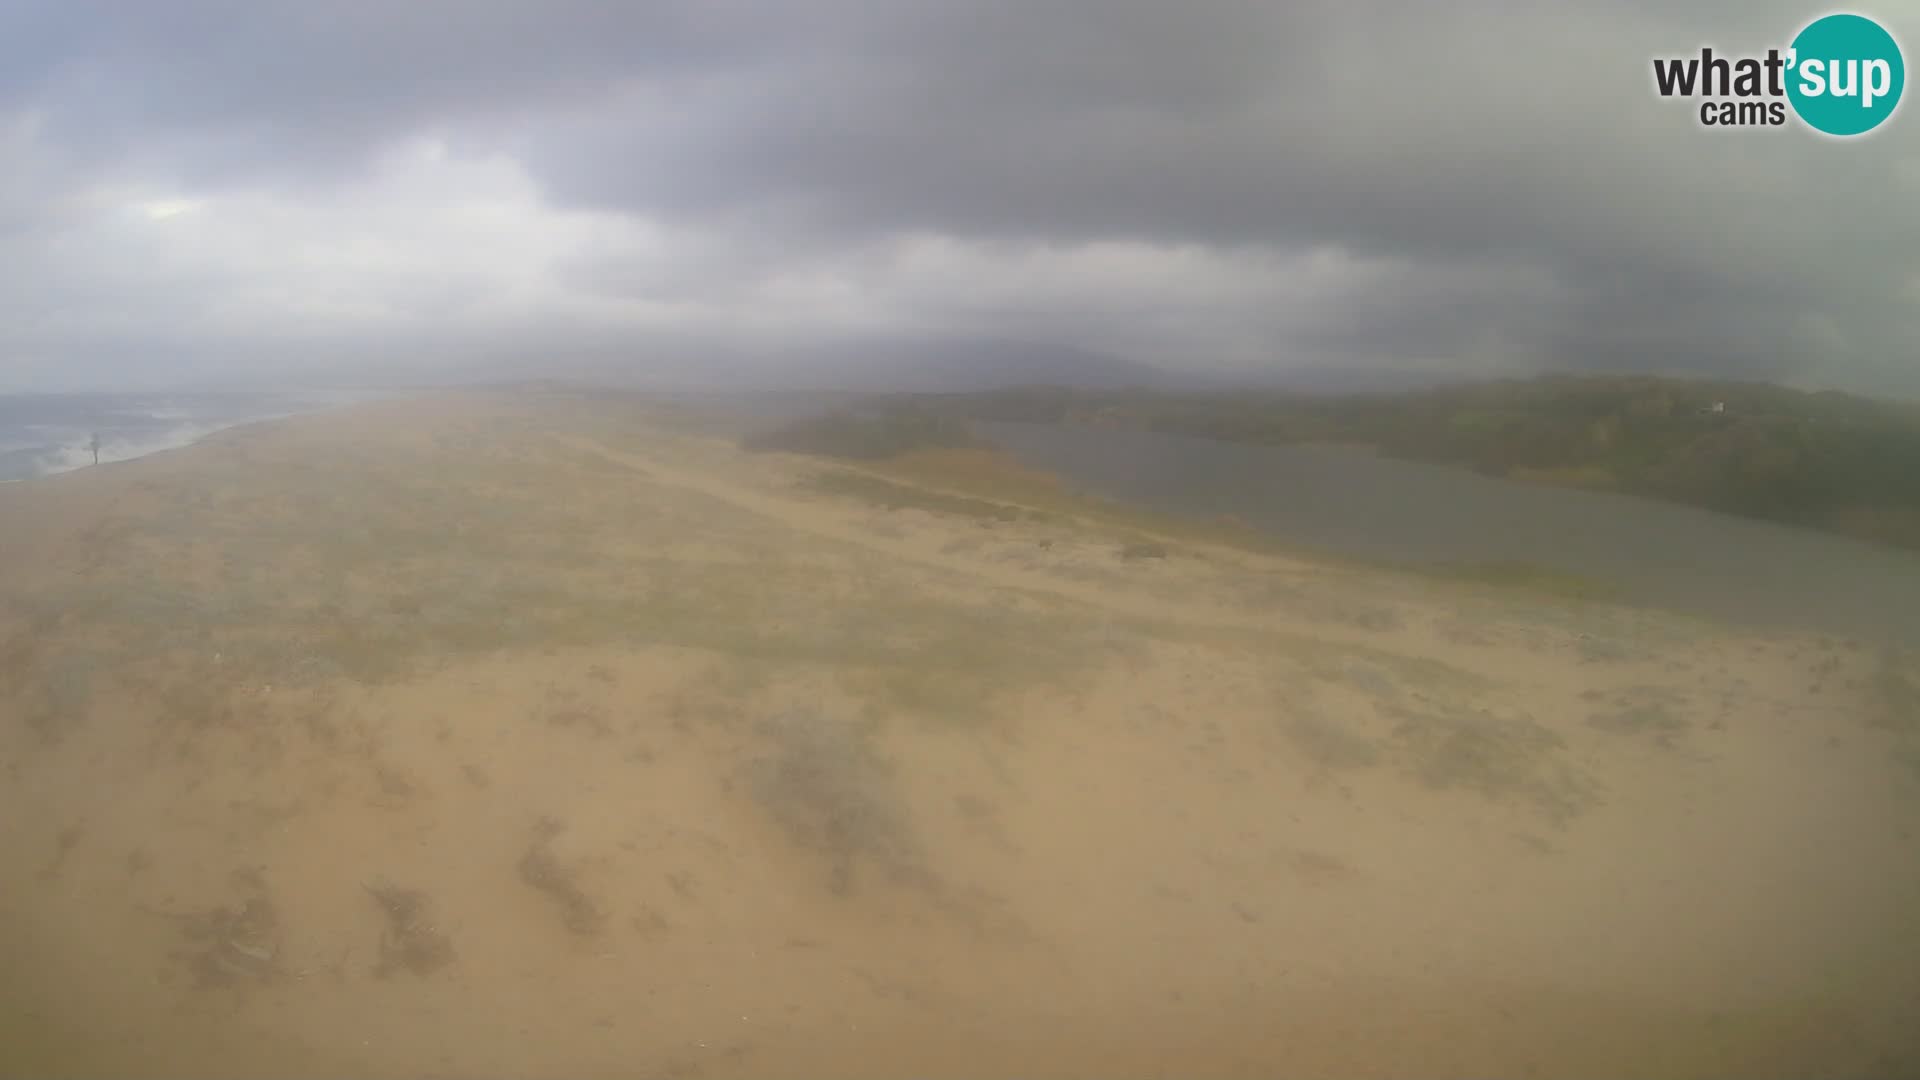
x=218 y=87
x=1515 y=132
x=1503 y=167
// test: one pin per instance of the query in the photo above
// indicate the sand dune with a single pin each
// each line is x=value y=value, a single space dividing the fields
x=487 y=735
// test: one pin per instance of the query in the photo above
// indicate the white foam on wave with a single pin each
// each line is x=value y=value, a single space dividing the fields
x=78 y=454
x=45 y=449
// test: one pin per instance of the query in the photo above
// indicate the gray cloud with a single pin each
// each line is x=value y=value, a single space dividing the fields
x=1240 y=185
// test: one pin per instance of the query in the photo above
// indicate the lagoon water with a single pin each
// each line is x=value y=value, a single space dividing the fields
x=1356 y=503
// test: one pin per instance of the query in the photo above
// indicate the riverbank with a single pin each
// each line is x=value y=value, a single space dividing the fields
x=1359 y=505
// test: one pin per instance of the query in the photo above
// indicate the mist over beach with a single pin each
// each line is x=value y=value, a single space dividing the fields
x=44 y=434
x=957 y=538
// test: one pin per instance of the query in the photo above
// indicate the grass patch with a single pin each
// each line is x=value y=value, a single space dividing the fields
x=862 y=437
x=896 y=496
x=950 y=665
x=233 y=946
x=1496 y=757
x=543 y=871
x=1655 y=720
x=409 y=942
x=822 y=782
x=1644 y=712
x=975 y=469
x=1331 y=745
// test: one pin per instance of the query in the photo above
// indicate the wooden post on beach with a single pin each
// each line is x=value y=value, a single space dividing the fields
x=95 y=447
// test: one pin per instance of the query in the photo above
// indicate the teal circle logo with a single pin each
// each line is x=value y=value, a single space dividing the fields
x=1845 y=75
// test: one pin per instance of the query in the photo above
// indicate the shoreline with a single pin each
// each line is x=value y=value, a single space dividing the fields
x=1386 y=512
x=202 y=429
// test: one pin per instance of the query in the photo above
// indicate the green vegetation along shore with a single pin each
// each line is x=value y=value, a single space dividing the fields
x=1822 y=460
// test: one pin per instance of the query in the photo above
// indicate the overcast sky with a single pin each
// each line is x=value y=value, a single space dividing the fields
x=200 y=190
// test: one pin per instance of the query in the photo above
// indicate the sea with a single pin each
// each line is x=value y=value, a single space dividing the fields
x=44 y=434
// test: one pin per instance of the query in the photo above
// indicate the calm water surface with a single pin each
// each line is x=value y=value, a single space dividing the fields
x=1363 y=505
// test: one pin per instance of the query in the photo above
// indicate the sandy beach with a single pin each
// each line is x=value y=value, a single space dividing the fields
x=543 y=736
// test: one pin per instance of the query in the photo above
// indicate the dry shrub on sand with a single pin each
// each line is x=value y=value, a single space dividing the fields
x=832 y=794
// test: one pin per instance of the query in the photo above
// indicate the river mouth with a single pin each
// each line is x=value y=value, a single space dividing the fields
x=1354 y=503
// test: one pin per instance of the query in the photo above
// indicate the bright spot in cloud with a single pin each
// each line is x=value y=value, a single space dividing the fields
x=164 y=209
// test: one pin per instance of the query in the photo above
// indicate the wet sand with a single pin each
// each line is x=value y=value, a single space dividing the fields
x=482 y=735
